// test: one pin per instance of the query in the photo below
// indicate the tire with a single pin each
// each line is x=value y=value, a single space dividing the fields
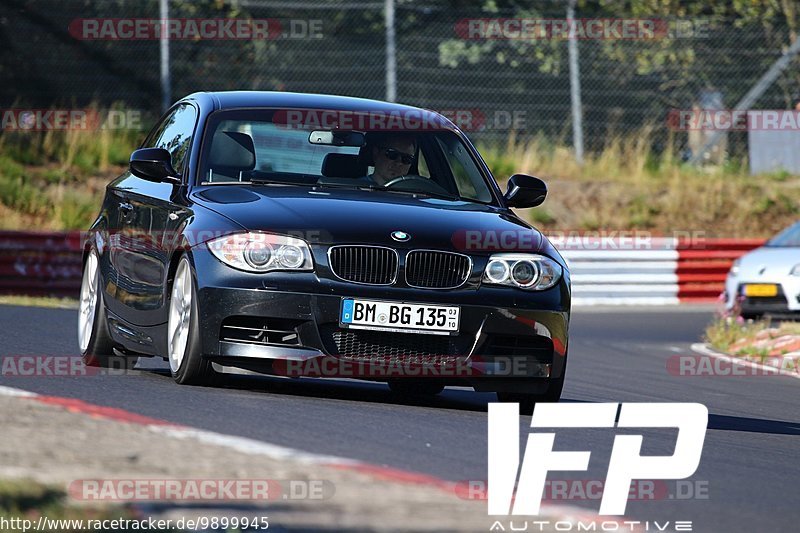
x=184 y=353
x=528 y=401
x=411 y=387
x=94 y=340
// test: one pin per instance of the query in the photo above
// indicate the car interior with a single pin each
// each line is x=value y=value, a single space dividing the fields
x=233 y=159
x=334 y=159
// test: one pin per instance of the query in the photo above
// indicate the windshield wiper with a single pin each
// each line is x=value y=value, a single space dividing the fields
x=359 y=186
x=278 y=182
x=437 y=195
x=374 y=187
x=429 y=194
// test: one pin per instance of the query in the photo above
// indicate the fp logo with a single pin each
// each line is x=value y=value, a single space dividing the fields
x=625 y=465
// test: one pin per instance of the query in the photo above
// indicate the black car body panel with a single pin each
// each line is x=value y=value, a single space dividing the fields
x=339 y=216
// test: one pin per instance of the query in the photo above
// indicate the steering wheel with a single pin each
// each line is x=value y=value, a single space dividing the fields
x=415 y=182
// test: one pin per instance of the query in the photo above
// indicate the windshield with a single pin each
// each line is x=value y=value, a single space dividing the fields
x=790 y=237
x=256 y=146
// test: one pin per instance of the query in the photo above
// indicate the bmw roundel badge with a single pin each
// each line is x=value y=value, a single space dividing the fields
x=401 y=236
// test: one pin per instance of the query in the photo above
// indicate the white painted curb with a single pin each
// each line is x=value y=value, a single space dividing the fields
x=239 y=444
x=569 y=513
x=703 y=349
x=19 y=393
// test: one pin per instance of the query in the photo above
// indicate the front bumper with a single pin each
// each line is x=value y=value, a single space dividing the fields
x=508 y=339
x=786 y=302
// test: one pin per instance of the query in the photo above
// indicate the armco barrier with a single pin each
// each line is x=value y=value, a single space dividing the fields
x=649 y=271
x=611 y=271
x=40 y=263
x=703 y=266
x=646 y=271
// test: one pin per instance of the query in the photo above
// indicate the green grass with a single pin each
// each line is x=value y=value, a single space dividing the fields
x=55 y=179
x=23 y=495
x=28 y=500
x=724 y=331
x=18 y=191
x=48 y=198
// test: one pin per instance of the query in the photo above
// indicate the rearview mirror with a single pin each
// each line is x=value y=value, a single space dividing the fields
x=525 y=191
x=154 y=164
x=337 y=138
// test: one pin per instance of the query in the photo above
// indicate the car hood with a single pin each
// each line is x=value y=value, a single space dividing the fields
x=768 y=263
x=328 y=216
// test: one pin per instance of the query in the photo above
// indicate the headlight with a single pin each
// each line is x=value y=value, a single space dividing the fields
x=262 y=252
x=795 y=271
x=735 y=268
x=524 y=271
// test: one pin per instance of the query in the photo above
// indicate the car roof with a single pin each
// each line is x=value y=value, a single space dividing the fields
x=275 y=99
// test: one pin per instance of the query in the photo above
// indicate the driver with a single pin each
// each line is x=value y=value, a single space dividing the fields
x=393 y=155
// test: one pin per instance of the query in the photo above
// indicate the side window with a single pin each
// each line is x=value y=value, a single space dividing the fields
x=175 y=133
x=422 y=165
x=468 y=179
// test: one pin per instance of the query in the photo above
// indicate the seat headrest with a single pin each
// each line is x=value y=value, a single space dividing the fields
x=343 y=166
x=232 y=149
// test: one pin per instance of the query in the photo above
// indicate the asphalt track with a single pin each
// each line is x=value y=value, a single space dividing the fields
x=751 y=458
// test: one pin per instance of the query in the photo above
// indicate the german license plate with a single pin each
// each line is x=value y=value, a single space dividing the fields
x=400 y=316
x=763 y=290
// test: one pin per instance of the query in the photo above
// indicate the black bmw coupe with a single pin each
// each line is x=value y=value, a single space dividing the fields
x=324 y=236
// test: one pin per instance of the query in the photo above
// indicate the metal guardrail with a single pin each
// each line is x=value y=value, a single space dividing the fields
x=611 y=271
x=40 y=263
x=604 y=271
x=657 y=271
x=702 y=269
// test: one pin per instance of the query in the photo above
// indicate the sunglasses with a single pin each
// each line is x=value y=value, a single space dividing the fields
x=394 y=155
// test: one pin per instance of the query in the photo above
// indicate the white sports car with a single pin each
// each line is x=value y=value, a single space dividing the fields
x=767 y=280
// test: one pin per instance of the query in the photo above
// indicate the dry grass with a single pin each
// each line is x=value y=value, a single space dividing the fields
x=39 y=301
x=627 y=187
x=83 y=151
x=725 y=331
x=55 y=180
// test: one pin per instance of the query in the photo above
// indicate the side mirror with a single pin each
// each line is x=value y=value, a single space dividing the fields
x=525 y=191
x=154 y=164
